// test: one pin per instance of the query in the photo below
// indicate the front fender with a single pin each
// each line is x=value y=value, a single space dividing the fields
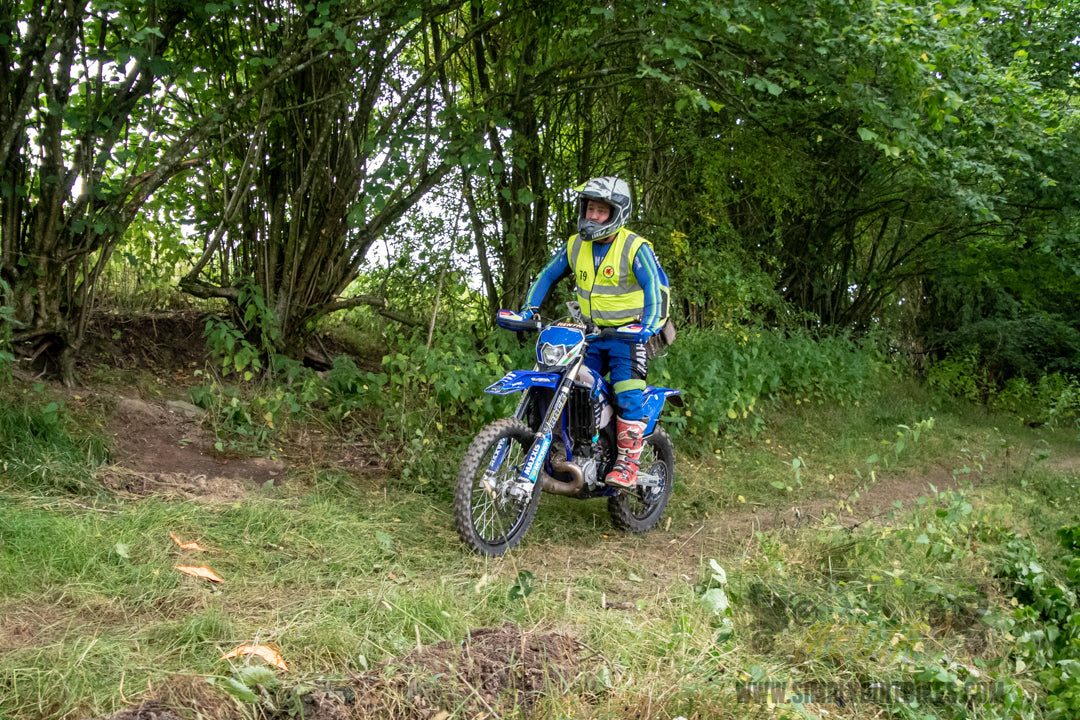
x=518 y=380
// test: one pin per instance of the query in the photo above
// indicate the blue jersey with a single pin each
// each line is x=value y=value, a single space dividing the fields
x=647 y=271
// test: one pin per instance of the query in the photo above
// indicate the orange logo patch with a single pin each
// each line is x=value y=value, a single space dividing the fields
x=609 y=271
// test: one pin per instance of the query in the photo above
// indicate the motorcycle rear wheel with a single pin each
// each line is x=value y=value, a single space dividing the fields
x=639 y=510
x=489 y=520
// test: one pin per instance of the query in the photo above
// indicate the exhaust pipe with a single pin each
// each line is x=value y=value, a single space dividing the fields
x=558 y=487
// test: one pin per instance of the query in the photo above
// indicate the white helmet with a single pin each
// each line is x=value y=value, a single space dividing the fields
x=612 y=191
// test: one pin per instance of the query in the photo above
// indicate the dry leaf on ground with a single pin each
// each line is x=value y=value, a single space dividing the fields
x=266 y=652
x=203 y=572
x=188 y=546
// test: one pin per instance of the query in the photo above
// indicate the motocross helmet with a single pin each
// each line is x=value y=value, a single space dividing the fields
x=612 y=191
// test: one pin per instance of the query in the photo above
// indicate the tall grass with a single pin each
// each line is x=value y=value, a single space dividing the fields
x=39 y=448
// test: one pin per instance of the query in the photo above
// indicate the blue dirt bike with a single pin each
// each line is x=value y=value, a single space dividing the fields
x=561 y=440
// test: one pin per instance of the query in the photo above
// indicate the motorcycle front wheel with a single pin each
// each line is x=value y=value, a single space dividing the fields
x=640 y=509
x=490 y=511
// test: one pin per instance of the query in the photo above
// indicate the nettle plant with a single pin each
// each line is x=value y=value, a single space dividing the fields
x=233 y=347
x=250 y=418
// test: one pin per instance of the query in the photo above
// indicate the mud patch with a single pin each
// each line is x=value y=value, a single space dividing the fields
x=164 y=450
x=181 y=697
x=158 y=342
x=491 y=673
x=145 y=711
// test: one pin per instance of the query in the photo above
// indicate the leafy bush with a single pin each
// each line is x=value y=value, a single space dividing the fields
x=434 y=397
x=1028 y=345
x=960 y=375
x=717 y=280
x=728 y=376
x=348 y=389
x=1051 y=398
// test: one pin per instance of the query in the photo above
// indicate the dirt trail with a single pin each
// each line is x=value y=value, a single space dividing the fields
x=675 y=553
x=162 y=449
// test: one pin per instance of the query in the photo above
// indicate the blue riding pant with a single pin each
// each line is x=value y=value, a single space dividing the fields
x=628 y=367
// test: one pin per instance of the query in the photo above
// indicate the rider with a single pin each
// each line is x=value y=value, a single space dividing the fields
x=618 y=281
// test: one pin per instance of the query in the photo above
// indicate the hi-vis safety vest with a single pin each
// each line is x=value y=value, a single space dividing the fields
x=610 y=295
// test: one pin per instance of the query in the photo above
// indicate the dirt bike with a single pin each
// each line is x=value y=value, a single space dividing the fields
x=560 y=439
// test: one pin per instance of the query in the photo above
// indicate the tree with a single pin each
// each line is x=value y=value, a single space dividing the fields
x=343 y=150
x=856 y=145
x=88 y=135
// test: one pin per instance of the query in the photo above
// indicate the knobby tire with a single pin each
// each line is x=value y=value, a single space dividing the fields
x=493 y=525
x=640 y=510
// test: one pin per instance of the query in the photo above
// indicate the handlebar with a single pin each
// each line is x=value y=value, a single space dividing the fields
x=633 y=333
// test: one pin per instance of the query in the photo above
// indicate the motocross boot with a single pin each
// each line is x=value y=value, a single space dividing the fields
x=631 y=437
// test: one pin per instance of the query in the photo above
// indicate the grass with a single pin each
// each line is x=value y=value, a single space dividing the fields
x=343 y=576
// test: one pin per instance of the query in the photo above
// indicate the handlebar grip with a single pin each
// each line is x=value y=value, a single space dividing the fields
x=633 y=333
x=509 y=320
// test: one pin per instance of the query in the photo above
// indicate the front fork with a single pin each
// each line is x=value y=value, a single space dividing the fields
x=522 y=487
x=539 y=450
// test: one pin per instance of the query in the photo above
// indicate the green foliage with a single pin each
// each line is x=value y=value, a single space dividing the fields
x=715 y=280
x=713 y=594
x=7 y=323
x=280 y=389
x=522 y=587
x=434 y=398
x=960 y=375
x=728 y=377
x=853 y=146
x=250 y=684
x=1011 y=306
x=1046 y=625
x=231 y=348
x=142 y=272
x=246 y=345
x=1052 y=398
x=40 y=448
x=250 y=418
x=349 y=390
x=1027 y=346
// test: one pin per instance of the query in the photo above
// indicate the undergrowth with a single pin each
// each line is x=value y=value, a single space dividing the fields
x=946 y=610
x=1046 y=398
x=423 y=400
x=956 y=605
